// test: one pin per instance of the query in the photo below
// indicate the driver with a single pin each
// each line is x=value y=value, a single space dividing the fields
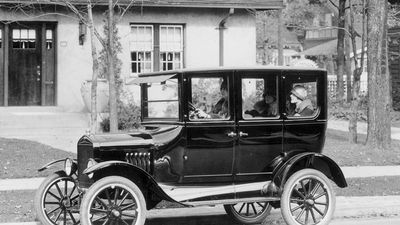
x=221 y=108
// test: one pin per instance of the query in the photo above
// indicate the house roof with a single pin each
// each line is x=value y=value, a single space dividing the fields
x=245 y=4
x=327 y=48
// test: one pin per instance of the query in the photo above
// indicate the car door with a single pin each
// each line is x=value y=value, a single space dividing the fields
x=259 y=133
x=304 y=131
x=210 y=128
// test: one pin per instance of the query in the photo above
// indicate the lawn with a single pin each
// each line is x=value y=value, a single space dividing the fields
x=22 y=158
x=345 y=154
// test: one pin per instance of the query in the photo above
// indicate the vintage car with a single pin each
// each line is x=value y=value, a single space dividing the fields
x=247 y=138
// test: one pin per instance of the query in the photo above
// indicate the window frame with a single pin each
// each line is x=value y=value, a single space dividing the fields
x=307 y=76
x=225 y=75
x=156 y=64
x=259 y=75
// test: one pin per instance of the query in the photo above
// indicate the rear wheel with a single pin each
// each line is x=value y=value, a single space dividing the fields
x=57 y=200
x=113 y=200
x=308 y=198
x=249 y=213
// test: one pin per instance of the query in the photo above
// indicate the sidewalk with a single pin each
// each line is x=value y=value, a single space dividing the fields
x=48 y=125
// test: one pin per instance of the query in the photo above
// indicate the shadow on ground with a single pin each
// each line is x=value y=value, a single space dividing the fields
x=192 y=220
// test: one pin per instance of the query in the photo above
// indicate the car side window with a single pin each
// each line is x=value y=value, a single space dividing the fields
x=301 y=97
x=209 y=98
x=259 y=97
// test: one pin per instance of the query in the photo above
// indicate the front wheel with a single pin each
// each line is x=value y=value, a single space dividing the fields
x=308 y=198
x=249 y=213
x=113 y=200
x=57 y=200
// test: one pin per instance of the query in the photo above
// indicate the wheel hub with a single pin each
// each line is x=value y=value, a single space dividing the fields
x=115 y=213
x=309 y=202
x=65 y=202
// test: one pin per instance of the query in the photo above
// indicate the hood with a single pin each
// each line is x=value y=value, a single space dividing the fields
x=138 y=139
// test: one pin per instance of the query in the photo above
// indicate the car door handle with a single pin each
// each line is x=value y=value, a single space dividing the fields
x=242 y=134
x=231 y=134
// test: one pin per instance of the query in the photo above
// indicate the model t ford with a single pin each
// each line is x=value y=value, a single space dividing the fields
x=249 y=139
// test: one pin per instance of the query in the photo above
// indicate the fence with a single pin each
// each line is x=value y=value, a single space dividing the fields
x=332 y=85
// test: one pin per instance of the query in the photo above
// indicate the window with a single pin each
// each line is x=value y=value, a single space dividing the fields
x=209 y=99
x=301 y=100
x=259 y=97
x=49 y=39
x=171 y=47
x=141 y=45
x=156 y=47
x=162 y=100
x=24 y=38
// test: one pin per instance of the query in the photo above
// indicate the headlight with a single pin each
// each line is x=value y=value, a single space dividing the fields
x=91 y=162
x=68 y=166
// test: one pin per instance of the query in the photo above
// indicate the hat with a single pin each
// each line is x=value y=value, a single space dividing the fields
x=299 y=91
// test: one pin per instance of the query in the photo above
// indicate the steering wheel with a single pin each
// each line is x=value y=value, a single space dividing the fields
x=196 y=113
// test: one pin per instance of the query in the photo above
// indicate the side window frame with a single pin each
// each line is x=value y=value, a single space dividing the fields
x=259 y=75
x=189 y=94
x=298 y=78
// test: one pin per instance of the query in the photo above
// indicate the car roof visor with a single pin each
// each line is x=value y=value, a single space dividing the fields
x=151 y=79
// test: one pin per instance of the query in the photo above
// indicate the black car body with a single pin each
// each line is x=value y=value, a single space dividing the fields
x=239 y=157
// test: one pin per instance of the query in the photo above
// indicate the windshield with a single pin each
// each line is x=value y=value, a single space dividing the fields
x=161 y=100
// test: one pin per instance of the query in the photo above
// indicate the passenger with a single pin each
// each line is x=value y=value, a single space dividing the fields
x=221 y=108
x=267 y=107
x=298 y=96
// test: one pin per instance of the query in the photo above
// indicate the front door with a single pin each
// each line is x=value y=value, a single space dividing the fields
x=260 y=127
x=31 y=73
x=210 y=129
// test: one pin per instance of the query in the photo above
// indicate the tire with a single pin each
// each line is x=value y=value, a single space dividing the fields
x=114 y=199
x=308 y=198
x=57 y=200
x=249 y=213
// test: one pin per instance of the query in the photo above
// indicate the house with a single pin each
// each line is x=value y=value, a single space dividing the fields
x=45 y=51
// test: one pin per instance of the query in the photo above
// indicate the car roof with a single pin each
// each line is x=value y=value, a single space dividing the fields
x=224 y=69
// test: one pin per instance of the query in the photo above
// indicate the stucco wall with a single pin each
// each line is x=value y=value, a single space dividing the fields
x=201 y=41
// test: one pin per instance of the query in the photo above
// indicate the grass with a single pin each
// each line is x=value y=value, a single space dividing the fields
x=345 y=154
x=22 y=158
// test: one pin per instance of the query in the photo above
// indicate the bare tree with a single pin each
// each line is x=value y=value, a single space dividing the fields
x=355 y=100
x=340 y=60
x=378 y=76
x=111 y=76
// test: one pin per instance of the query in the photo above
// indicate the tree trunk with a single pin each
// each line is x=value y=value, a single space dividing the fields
x=378 y=76
x=348 y=60
x=113 y=92
x=340 y=52
x=95 y=72
x=354 y=106
x=280 y=44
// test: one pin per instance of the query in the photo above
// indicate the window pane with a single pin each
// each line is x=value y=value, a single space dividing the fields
x=259 y=97
x=302 y=97
x=16 y=34
x=163 y=99
x=209 y=98
x=32 y=34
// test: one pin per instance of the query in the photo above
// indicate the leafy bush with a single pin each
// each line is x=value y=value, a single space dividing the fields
x=343 y=112
x=128 y=117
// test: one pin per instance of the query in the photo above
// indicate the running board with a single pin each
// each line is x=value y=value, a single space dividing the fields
x=232 y=201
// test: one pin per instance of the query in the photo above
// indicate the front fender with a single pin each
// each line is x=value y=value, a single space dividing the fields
x=311 y=160
x=48 y=165
x=130 y=171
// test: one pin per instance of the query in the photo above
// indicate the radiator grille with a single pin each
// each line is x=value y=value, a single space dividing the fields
x=139 y=159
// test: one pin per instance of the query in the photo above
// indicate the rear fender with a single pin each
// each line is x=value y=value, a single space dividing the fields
x=311 y=160
x=134 y=173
